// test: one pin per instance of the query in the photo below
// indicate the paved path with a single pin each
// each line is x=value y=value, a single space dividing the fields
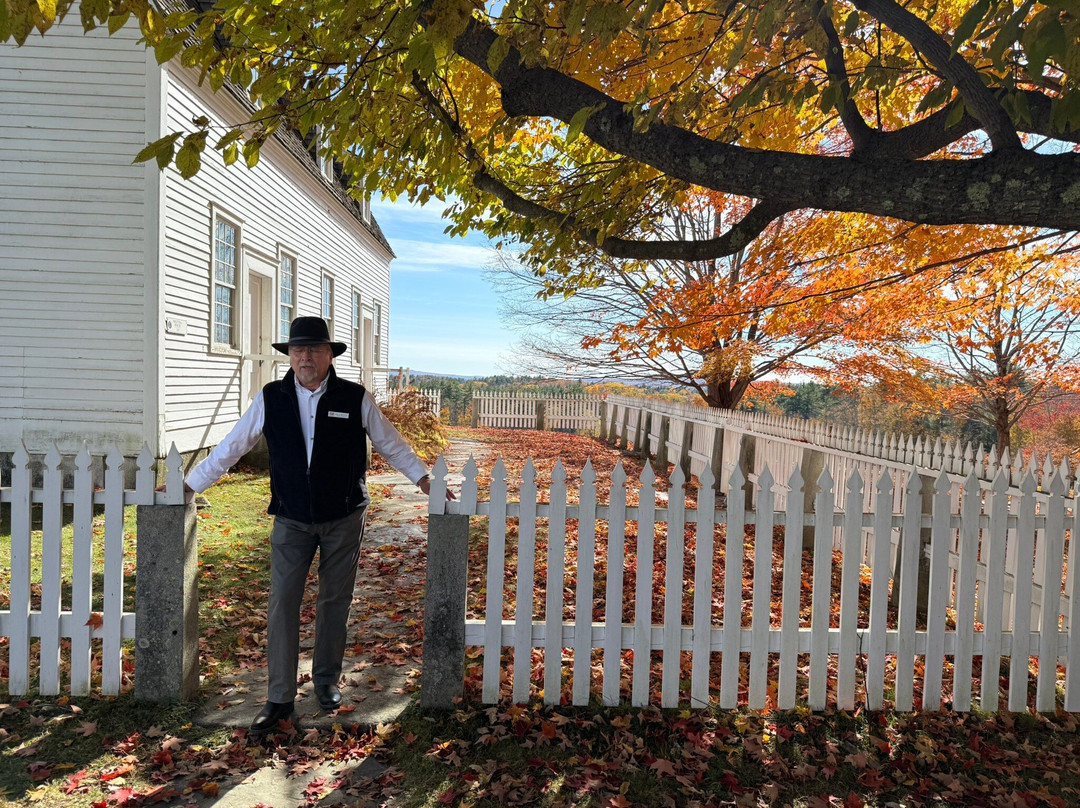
x=376 y=693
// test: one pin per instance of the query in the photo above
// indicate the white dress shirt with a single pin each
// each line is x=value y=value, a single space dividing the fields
x=384 y=438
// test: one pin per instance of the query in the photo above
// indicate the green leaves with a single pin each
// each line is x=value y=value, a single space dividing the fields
x=577 y=123
x=421 y=56
x=118 y=21
x=497 y=52
x=47 y=14
x=161 y=150
x=1043 y=39
x=971 y=19
x=251 y=153
x=189 y=158
x=605 y=20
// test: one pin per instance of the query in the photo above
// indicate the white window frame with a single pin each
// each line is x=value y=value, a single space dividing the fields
x=377 y=331
x=357 y=326
x=283 y=324
x=232 y=347
x=326 y=302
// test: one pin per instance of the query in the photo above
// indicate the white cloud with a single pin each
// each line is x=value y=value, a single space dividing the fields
x=430 y=256
x=399 y=211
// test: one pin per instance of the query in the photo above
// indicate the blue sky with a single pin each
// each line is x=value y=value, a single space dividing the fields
x=443 y=313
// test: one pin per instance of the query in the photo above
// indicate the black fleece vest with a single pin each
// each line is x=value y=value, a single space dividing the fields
x=335 y=484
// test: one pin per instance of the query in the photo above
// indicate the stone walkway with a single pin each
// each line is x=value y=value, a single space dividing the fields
x=372 y=694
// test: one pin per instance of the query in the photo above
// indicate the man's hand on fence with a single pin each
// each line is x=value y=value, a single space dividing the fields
x=424 y=484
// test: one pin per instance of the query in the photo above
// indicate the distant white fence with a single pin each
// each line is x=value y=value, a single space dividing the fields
x=687 y=433
x=89 y=615
x=434 y=398
x=522 y=410
x=712 y=640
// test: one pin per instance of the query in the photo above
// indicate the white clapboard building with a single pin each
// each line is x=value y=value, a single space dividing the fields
x=135 y=306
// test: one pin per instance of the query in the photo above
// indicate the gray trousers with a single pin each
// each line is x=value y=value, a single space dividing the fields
x=293 y=545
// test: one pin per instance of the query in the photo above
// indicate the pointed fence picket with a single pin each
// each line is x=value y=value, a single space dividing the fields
x=791 y=651
x=57 y=628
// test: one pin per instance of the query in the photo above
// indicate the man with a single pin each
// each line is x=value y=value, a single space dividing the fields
x=316 y=427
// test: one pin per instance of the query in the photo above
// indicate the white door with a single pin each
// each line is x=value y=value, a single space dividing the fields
x=369 y=350
x=259 y=310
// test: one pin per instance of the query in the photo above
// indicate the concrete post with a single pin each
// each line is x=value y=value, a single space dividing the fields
x=811 y=466
x=718 y=459
x=747 y=456
x=685 y=446
x=166 y=604
x=541 y=409
x=662 y=449
x=922 y=595
x=642 y=447
x=443 y=675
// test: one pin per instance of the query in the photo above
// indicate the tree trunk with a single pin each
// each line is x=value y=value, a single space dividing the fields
x=724 y=394
x=1001 y=424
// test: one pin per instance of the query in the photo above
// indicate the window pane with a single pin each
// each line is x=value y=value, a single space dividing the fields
x=224 y=282
x=327 y=298
x=287 y=295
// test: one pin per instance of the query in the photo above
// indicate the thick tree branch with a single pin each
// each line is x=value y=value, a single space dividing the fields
x=858 y=130
x=980 y=100
x=1014 y=188
x=737 y=236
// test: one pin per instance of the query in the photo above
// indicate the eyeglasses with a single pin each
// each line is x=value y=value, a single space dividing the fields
x=313 y=350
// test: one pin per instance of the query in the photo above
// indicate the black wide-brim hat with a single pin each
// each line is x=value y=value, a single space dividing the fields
x=310 y=331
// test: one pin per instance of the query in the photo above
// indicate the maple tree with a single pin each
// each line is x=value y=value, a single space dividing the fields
x=716 y=327
x=993 y=340
x=579 y=122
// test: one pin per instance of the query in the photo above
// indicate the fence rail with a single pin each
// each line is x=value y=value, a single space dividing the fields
x=51 y=619
x=668 y=624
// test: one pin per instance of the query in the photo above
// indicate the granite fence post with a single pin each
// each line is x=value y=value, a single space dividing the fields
x=443 y=677
x=717 y=459
x=747 y=464
x=811 y=466
x=166 y=604
x=644 y=448
x=922 y=595
x=685 y=447
x=662 y=448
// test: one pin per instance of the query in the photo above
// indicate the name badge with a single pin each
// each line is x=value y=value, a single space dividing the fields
x=333 y=414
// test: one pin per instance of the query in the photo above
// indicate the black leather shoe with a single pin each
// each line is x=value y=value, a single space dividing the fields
x=270 y=715
x=329 y=696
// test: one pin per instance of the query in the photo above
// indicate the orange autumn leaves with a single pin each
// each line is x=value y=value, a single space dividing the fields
x=859 y=300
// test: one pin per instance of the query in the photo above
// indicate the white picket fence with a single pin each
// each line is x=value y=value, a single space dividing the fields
x=990 y=548
x=691 y=431
x=386 y=395
x=51 y=619
x=523 y=410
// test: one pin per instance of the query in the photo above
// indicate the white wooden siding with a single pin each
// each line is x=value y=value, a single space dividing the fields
x=276 y=203
x=73 y=245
